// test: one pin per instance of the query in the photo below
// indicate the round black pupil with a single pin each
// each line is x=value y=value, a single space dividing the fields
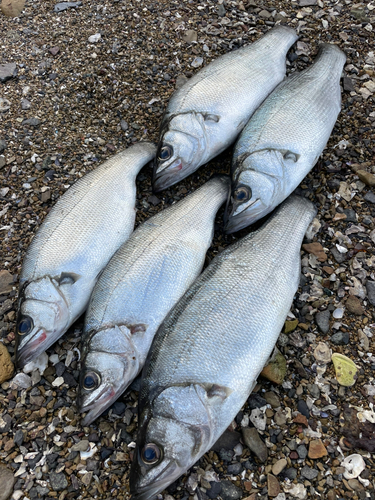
x=24 y=326
x=149 y=454
x=165 y=153
x=241 y=194
x=89 y=382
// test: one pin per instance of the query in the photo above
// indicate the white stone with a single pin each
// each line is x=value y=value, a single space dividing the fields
x=95 y=38
x=354 y=465
x=58 y=381
x=21 y=381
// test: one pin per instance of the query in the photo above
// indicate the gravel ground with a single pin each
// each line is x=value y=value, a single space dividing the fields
x=92 y=79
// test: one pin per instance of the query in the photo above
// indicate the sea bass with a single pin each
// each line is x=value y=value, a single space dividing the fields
x=141 y=283
x=210 y=349
x=75 y=242
x=284 y=138
x=207 y=113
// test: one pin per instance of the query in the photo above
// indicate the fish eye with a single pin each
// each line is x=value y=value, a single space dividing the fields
x=166 y=152
x=151 y=454
x=242 y=193
x=25 y=325
x=91 y=381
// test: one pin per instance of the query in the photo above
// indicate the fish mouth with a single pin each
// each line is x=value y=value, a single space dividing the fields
x=33 y=348
x=169 y=474
x=167 y=177
x=103 y=401
x=248 y=216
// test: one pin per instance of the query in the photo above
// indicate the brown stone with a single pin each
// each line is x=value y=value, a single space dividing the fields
x=354 y=306
x=366 y=177
x=6 y=365
x=316 y=249
x=331 y=495
x=328 y=270
x=273 y=486
x=275 y=370
x=12 y=8
x=279 y=466
x=301 y=419
x=6 y=281
x=7 y=481
x=293 y=455
x=317 y=449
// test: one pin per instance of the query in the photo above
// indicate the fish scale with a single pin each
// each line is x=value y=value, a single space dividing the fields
x=75 y=242
x=210 y=349
x=141 y=283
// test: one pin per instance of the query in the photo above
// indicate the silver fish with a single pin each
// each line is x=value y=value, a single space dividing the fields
x=284 y=138
x=76 y=240
x=141 y=283
x=208 y=112
x=211 y=347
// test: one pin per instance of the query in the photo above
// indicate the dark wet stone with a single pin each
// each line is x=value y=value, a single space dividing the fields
x=351 y=215
x=370 y=197
x=227 y=441
x=52 y=460
x=339 y=257
x=60 y=368
x=322 y=320
x=309 y=473
x=221 y=10
x=32 y=122
x=314 y=390
x=58 y=481
x=215 y=490
x=59 y=7
x=302 y=451
x=370 y=287
x=105 y=453
x=229 y=491
x=18 y=437
x=307 y=3
x=347 y=84
x=302 y=408
x=69 y=379
x=226 y=455
x=7 y=71
x=124 y=125
x=118 y=408
x=290 y=473
x=33 y=461
x=340 y=338
x=254 y=442
x=126 y=437
x=3 y=145
x=235 y=468
x=256 y=401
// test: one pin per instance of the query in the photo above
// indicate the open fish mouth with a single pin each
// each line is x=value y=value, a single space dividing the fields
x=166 y=177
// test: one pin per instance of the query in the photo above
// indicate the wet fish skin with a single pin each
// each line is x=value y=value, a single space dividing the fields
x=76 y=240
x=207 y=113
x=141 y=283
x=210 y=349
x=284 y=138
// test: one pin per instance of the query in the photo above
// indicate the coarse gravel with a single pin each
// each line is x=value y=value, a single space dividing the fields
x=85 y=80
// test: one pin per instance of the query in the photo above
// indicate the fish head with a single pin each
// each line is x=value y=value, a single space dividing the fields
x=181 y=146
x=174 y=432
x=43 y=316
x=258 y=186
x=110 y=363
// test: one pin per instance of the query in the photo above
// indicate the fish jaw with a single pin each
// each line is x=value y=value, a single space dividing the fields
x=167 y=476
x=249 y=215
x=168 y=176
x=32 y=349
x=97 y=407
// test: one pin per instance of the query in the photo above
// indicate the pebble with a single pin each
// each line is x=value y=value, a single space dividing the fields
x=58 y=481
x=354 y=306
x=302 y=408
x=340 y=338
x=302 y=451
x=229 y=491
x=272 y=399
x=366 y=177
x=290 y=326
x=190 y=36
x=316 y=249
x=25 y=104
x=59 y=7
x=275 y=370
x=253 y=441
x=3 y=145
x=6 y=282
x=21 y=380
x=370 y=197
x=345 y=368
x=12 y=8
x=94 y=38
x=296 y=491
x=7 y=481
x=279 y=466
x=7 y=71
x=4 y=105
x=370 y=287
x=309 y=473
x=322 y=353
x=6 y=365
x=198 y=61
x=322 y=320
x=317 y=449
x=273 y=486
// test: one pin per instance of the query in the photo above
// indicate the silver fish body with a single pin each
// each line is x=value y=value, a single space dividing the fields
x=211 y=347
x=284 y=138
x=141 y=283
x=74 y=243
x=208 y=112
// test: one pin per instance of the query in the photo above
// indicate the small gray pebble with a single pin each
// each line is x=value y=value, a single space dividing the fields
x=370 y=196
x=322 y=320
x=370 y=287
x=309 y=473
x=340 y=338
x=229 y=491
x=302 y=451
